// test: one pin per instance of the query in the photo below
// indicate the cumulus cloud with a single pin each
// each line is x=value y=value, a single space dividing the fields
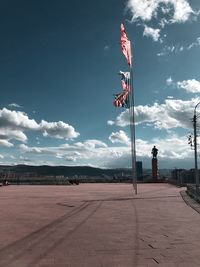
x=191 y=86
x=153 y=33
x=80 y=152
x=123 y=119
x=5 y=143
x=119 y=137
x=173 y=113
x=58 y=130
x=172 y=147
x=25 y=148
x=8 y=134
x=88 y=149
x=13 y=124
x=146 y=10
x=77 y=149
x=16 y=120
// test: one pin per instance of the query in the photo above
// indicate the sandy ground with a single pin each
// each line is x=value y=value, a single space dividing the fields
x=97 y=225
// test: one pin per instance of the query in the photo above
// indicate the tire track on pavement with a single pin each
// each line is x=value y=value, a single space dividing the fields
x=59 y=239
x=16 y=250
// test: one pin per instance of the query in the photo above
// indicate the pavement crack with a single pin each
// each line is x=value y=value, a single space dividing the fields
x=156 y=260
x=151 y=246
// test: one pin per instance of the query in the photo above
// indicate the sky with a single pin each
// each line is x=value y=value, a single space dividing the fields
x=59 y=65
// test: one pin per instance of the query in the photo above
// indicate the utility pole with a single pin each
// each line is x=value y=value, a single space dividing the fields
x=195 y=148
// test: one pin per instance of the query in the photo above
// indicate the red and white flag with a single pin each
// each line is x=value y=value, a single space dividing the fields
x=125 y=45
x=125 y=80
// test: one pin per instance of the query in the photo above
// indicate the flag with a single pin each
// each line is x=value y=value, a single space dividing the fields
x=121 y=100
x=125 y=45
x=124 y=75
x=125 y=80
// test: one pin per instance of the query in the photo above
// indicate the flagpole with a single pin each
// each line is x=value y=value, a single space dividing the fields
x=132 y=130
x=126 y=50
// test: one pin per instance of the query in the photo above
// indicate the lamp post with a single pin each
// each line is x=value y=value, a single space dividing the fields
x=195 y=147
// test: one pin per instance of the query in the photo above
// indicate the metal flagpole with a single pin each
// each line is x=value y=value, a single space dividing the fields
x=132 y=129
x=126 y=50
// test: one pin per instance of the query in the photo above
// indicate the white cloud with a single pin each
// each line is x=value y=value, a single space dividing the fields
x=146 y=10
x=58 y=130
x=89 y=150
x=110 y=122
x=173 y=113
x=169 y=81
x=5 y=143
x=8 y=134
x=123 y=119
x=70 y=159
x=196 y=43
x=119 y=137
x=14 y=105
x=13 y=124
x=160 y=54
x=182 y=10
x=153 y=33
x=178 y=48
x=142 y=9
x=24 y=159
x=170 y=49
x=25 y=148
x=92 y=143
x=16 y=120
x=78 y=149
x=192 y=86
x=172 y=147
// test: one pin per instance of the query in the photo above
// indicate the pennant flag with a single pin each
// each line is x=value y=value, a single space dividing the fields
x=125 y=45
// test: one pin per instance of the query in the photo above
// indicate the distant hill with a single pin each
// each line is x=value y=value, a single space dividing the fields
x=46 y=170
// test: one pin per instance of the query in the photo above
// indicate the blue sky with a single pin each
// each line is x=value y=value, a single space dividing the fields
x=59 y=64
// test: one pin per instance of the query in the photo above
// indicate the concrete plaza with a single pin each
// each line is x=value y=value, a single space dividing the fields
x=97 y=225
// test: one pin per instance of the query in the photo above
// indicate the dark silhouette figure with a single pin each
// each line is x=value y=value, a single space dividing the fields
x=154 y=152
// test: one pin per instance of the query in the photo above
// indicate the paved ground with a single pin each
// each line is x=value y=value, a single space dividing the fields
x=97 y=225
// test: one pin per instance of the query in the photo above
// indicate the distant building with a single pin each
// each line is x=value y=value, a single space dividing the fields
x=182 y=176
x=139 y=170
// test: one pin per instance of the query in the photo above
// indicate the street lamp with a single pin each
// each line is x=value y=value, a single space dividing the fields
x=195 y=147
